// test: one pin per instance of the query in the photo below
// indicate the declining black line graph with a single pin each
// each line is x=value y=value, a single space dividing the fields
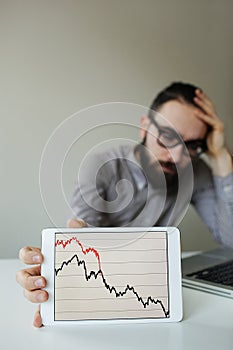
x=108 y=276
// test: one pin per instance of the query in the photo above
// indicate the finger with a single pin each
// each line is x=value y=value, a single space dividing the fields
x=209 y=109
x=214 y=122
x=31 y=255
x=74 y=223
x=36 y=296
x=37 y=322
x=202 y=96
x=30 y=279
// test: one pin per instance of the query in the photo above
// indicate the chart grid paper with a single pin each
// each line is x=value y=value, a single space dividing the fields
x=106 y=276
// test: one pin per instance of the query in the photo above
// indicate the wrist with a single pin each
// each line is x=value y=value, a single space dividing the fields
x=221 y=162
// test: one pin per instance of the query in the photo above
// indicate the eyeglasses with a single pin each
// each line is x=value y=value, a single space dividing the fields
x=168 y=138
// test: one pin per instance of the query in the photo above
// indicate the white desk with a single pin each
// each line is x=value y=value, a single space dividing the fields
x=207 y=324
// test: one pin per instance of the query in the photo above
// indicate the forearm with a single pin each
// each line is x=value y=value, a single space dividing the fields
x=214 y=203
x=82 y=210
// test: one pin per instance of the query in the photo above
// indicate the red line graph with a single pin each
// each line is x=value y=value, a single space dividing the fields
x=84 y=251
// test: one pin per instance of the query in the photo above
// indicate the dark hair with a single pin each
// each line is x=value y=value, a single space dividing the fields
x=182 y=92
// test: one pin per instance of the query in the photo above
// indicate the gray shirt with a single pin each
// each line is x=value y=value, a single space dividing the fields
x=113 y=190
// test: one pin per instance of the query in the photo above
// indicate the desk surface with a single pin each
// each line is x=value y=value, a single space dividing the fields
x=207 y=324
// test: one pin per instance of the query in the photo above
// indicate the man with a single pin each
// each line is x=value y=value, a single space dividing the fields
x=152 y=183
x=163 y=173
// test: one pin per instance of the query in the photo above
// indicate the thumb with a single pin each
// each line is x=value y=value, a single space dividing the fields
x=37 y=319
x=74 y=223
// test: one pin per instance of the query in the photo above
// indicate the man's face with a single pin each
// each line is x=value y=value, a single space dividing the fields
x=173 y=116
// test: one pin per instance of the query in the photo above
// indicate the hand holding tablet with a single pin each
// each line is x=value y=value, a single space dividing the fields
x=112 y=275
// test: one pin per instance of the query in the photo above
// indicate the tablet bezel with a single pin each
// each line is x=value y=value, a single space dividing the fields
x=174 y=276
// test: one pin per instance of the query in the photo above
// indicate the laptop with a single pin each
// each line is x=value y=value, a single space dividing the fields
x=210 y=271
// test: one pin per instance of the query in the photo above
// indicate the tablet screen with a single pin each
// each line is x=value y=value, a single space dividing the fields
x=109 y=276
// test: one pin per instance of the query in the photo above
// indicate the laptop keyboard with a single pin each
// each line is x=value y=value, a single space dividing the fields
x=221 y=273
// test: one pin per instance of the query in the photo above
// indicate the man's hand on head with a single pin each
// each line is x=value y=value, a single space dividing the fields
x=218 y=153
x=207 y=113
x=30 y=278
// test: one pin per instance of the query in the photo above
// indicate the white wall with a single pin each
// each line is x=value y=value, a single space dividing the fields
x=60 y=56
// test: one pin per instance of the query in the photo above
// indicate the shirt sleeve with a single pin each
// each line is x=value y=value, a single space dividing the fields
x=88 y=199
x=213 y=200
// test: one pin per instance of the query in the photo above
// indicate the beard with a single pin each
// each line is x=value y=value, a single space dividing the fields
x=154 y=172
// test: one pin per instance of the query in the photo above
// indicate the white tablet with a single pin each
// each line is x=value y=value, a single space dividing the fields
x=112 y=275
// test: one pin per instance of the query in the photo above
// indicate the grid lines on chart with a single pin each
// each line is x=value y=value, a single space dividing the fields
x=105 y=276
